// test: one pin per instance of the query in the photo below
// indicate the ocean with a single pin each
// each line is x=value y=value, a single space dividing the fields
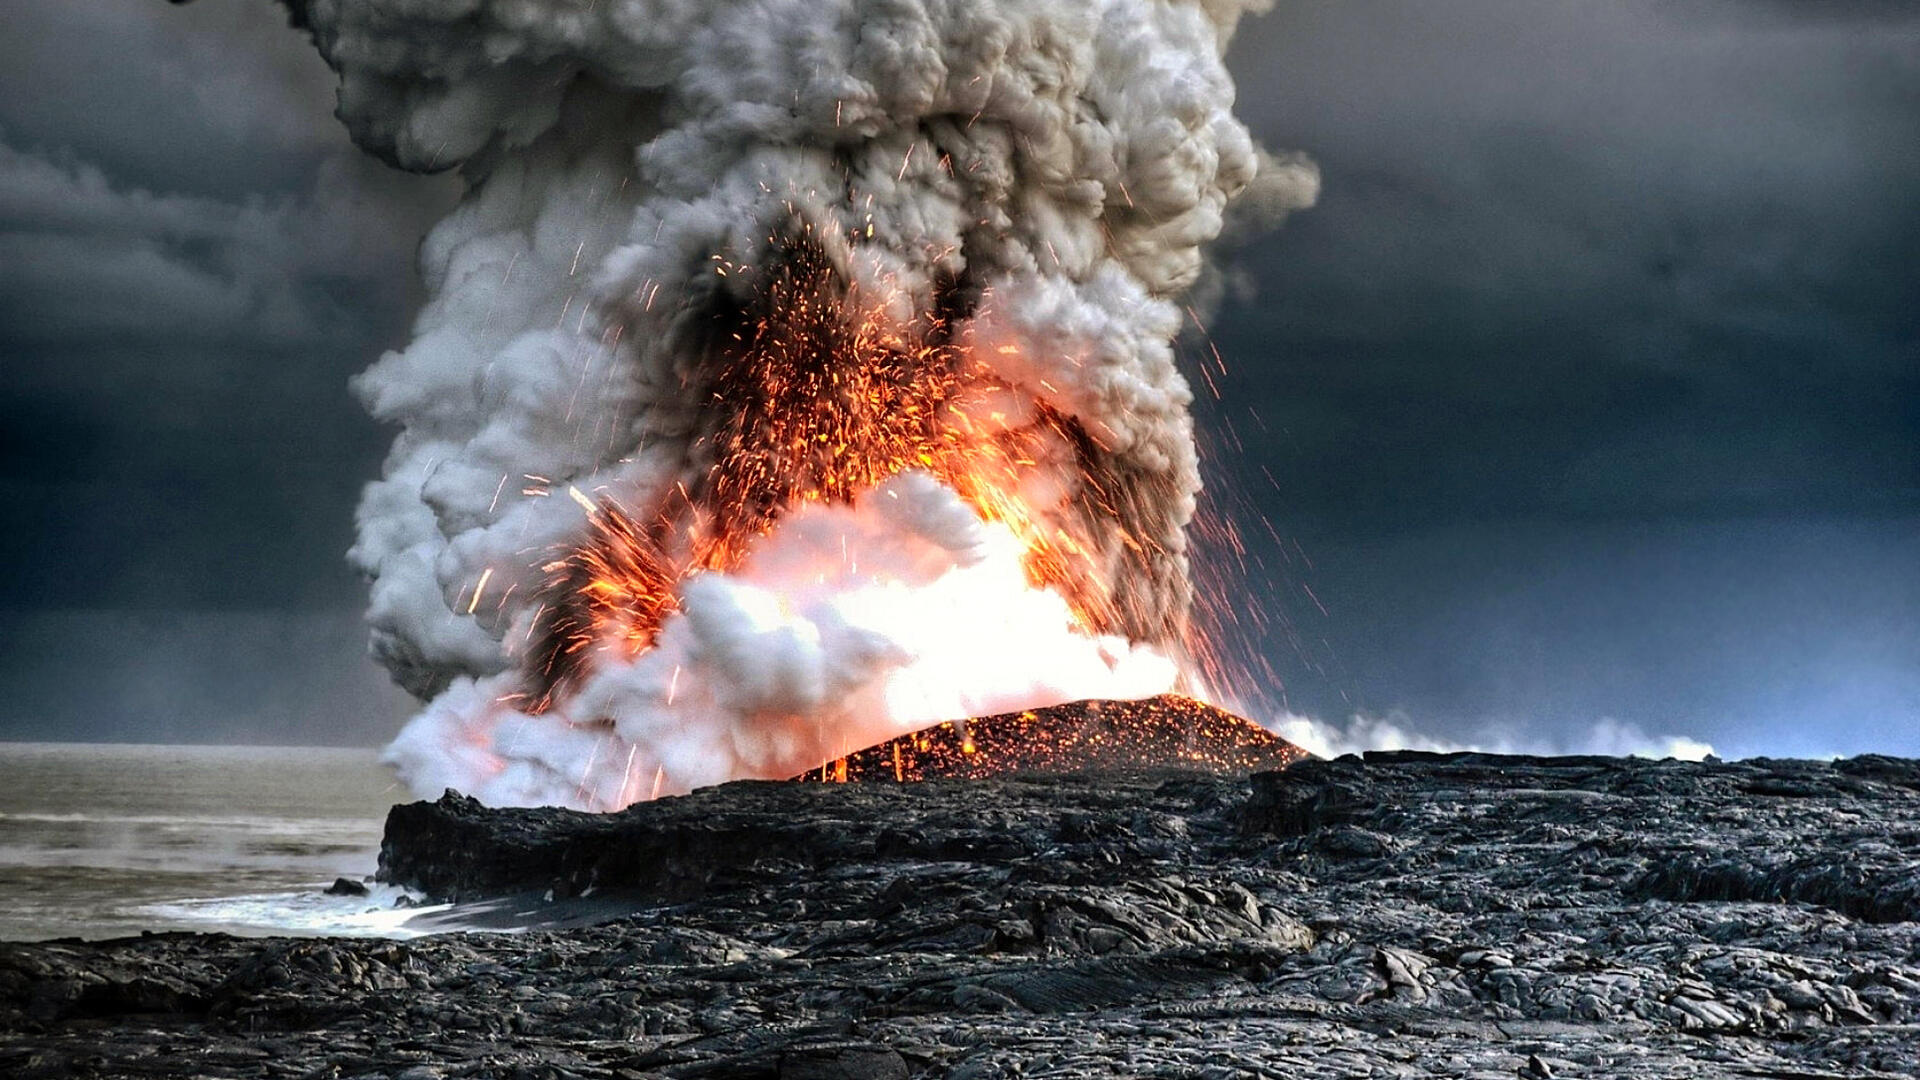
x=105 y=840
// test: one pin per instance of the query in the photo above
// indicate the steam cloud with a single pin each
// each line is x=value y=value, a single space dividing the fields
x=1026 y=185
x=1360 y=734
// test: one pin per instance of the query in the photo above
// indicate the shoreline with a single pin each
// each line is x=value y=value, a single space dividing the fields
x=1410 y=914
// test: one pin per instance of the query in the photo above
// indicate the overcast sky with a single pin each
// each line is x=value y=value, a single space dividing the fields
x=1590 y=391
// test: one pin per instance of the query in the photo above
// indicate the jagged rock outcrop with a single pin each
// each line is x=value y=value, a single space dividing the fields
x=1408 y=915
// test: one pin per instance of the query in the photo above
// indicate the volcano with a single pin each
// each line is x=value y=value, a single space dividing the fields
x=759 y=412
x=1161 y=732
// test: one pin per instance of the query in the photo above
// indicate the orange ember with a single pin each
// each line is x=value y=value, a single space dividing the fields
x=1158 y=733
x=814 y=393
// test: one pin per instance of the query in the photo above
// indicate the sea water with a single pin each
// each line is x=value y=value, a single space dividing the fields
x=104 y=840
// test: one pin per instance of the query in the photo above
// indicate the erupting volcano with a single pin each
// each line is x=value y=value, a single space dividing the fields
x=795 y=376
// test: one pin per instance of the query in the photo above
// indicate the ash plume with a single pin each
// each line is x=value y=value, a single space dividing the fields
x=794 y=373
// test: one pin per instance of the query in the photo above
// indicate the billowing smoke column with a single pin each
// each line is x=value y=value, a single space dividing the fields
x=796 y=373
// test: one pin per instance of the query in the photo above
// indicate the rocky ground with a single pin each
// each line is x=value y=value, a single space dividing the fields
x=1409 y=915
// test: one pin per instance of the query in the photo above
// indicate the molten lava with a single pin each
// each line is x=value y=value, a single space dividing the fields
x=1161 y=732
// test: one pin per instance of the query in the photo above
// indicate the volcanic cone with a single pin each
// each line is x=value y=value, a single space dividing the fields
x=1085 y=736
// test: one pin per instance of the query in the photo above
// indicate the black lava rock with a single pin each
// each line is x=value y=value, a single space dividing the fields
x=1401 y=915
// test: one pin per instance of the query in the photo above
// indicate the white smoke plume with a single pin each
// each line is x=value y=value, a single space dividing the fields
x=1022 y=188
x=1360 y=734
x=798 y=657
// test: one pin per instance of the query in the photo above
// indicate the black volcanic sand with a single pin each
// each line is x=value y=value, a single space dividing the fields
x=1406 y=916
x=1086 y=736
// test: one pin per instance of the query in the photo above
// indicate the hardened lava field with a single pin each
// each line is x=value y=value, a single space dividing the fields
x=1085 y=736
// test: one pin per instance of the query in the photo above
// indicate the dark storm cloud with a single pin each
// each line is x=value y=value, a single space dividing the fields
x=193 y=259
x=1593 y=382
x=1588 y=260
x=85 y=262
x=217 y=98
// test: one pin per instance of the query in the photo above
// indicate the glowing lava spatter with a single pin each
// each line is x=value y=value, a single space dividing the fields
x=819 y=398
x=1165 y=732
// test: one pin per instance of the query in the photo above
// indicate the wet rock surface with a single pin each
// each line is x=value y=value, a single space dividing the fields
x=1406 y=916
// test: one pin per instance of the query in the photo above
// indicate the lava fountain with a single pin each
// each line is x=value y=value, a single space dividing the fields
x=795 y=376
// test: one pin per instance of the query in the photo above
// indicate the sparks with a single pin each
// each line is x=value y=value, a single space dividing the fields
x=827 y=398
x=473 y=605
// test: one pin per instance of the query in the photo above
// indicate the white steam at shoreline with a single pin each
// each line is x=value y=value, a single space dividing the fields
x=1360 y=734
